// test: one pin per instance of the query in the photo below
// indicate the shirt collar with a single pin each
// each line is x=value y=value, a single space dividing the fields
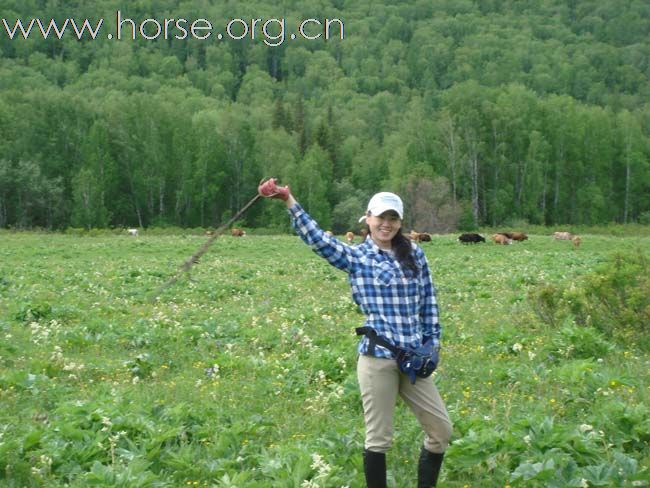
x=375 y=248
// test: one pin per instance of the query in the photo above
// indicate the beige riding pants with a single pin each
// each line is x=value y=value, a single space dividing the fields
x=380 y=381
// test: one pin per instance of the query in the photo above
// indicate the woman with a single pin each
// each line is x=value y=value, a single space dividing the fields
x=392 y=286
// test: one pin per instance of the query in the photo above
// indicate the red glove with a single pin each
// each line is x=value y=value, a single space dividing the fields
x=270 y=189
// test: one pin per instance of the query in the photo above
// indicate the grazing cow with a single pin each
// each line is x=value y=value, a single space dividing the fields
x=235 y=232
x=132 y=232
x=562 y=236
x=501 y=239
x=519 y=236
x=507 y=234
x=471 y=238
x=576 y=241
x=349 y=236
x=420 y=236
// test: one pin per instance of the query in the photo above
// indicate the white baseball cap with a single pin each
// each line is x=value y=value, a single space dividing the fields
x=384 y=201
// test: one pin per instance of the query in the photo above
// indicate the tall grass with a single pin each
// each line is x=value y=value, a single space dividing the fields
x=242 y=374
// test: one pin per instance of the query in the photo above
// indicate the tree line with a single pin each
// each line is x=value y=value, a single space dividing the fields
x=477 y=113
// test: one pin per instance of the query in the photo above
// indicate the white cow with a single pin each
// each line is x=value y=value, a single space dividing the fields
x=132 y=232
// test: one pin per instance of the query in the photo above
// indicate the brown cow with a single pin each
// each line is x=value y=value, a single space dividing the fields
x=501 y=239
x=235 y=232
x=576 y=241
x=364 y=234
x=518 y=236
x=419 y=236
x=562 y=236
x=349 y=236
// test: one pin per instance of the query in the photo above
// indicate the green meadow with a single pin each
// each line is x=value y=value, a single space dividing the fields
x=242 y=374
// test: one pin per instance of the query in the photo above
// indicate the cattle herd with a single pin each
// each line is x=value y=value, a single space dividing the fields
x=506 y=238
x=498 y=238
x=503 y=238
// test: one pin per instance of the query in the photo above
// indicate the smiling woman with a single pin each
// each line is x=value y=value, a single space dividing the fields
x=384 y=218
x=391 y=283
x=384 y=221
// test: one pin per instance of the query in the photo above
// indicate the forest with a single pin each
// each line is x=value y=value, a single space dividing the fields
x=479 y=113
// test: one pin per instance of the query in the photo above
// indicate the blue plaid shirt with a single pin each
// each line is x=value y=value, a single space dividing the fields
x=400 y=308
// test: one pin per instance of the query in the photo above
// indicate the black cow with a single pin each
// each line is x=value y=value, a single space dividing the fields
x=471 y=238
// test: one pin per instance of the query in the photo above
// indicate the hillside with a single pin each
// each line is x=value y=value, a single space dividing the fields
x=477 y=112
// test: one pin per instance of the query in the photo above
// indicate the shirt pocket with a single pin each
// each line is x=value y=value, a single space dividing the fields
x=385 y=274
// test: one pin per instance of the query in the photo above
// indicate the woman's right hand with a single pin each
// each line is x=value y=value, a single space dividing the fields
x=270 y=189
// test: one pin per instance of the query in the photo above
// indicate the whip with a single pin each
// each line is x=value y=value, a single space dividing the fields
x=194 y=258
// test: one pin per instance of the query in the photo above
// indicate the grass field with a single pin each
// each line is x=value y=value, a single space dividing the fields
x=244 y=374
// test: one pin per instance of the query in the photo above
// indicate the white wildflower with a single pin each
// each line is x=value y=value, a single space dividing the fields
x=57 y=354
x=320 y=465
x=517 y=347
x=106 y=422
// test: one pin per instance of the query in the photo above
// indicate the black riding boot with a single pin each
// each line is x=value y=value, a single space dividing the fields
x=374 y=466
x=429 y=468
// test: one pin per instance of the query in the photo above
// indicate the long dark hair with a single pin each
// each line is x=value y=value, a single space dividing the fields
x=404 y=253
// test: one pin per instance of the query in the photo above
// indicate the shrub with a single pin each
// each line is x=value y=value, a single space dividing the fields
x=615 y=299
x=579 y=342
x=618 y=295
x=544 y=301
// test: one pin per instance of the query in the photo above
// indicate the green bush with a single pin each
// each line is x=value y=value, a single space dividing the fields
x=615 y=299
x=578 y=342
x=545 y=302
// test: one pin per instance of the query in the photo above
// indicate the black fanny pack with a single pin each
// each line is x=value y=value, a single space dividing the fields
x=415 y=363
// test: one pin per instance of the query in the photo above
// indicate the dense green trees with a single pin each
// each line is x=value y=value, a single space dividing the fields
x=483 y=112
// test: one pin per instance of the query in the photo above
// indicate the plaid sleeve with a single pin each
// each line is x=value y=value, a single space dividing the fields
x=328 y=247
x=428 y=303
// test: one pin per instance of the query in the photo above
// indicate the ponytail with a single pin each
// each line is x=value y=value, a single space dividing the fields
x=404 y=253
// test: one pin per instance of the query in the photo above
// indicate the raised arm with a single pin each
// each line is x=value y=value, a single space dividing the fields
x=290 y=201
x=328 y=247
